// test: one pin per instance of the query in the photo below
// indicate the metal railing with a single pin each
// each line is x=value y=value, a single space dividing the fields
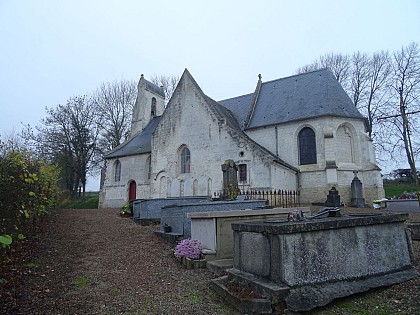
x=274 y=197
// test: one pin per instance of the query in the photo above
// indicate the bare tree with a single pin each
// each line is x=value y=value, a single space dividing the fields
x=309 y=67
x=68 y=137
x=339 y=64
x=14 y=141
x=377 y=89
x=359 y=76
x=167 y=82
x=363 y=77
x=386 y=91
x=406 y=91
x=114 y=102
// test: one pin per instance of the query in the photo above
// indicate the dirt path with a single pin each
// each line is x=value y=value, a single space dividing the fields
x=95 y=262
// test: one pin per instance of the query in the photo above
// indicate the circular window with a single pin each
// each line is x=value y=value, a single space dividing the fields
x=241 y=154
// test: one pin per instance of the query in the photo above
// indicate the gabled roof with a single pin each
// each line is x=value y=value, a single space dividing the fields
x=138 y=144
x=154 y=88
x=225 y=114
x=221 y=112
x=299 y=97
x=239 y=106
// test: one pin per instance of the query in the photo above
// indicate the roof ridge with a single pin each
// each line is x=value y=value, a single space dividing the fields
x=186 y=72
x=283 y=78
x=254 y=102
x=214 y=105
x=298 y=74
x=152 y=87
x=143 y=133
x=232 y=98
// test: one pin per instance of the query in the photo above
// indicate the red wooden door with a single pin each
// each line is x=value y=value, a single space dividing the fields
x=132 y=191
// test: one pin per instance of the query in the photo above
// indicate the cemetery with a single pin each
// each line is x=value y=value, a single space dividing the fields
x=310 y=263
x=286 y=255
x=250 y=222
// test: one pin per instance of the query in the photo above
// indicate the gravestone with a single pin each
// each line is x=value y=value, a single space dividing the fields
x=230 y=175
x=333 y=198
x=357 y=199
x=230 y=180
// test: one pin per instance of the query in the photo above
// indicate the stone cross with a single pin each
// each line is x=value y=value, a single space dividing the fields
x=357 y=199
x=230 y=175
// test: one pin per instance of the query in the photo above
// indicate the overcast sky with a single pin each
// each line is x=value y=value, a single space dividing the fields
x=51 y=50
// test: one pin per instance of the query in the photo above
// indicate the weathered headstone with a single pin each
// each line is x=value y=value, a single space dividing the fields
x=357 y=199
x=333 y=198
x=230 y=174
x=230 y=180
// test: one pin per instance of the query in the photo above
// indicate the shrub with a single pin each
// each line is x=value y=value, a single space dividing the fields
x=27 y=191
x=126 y=209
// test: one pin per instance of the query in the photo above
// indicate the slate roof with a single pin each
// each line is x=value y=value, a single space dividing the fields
x=239 y=106
x=138 y=144
x=232 y=122
x=299 y=97
x=154 y=88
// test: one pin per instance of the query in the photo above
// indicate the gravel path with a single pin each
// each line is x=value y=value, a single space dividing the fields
x=95 y=262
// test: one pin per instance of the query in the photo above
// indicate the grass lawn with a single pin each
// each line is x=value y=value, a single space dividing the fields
x=90 y=201
x=393 y=188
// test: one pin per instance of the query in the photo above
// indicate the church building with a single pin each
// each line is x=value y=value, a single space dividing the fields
x=299 y=133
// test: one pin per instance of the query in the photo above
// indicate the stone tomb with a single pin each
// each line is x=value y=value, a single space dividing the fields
x=176 y=216
x=311 y=263
x=146 y=210
x=213 y=229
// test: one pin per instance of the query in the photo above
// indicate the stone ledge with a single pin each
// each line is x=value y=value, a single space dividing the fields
x=305 y=298
x=246 y=306
x=219 y=266
x=170 y=238
x=261 y=286
x=321 y=294
x=277 y=227
x=245 y=212
x=415 y=230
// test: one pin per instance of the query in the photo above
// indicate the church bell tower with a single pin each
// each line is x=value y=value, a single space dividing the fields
x=150 y=103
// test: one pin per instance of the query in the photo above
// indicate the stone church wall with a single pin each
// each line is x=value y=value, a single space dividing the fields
x=188 y=121
x=132 y=168
x=192 y=120
x=342 y=142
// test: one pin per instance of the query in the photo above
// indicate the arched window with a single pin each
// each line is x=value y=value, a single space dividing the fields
x=153 y=108
x=345 y=147
x=195 y=187
x=242 y=172
x=117 y=171
x=209 y=188
x=185 y=160
x=149 y=167
x=307 y=146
